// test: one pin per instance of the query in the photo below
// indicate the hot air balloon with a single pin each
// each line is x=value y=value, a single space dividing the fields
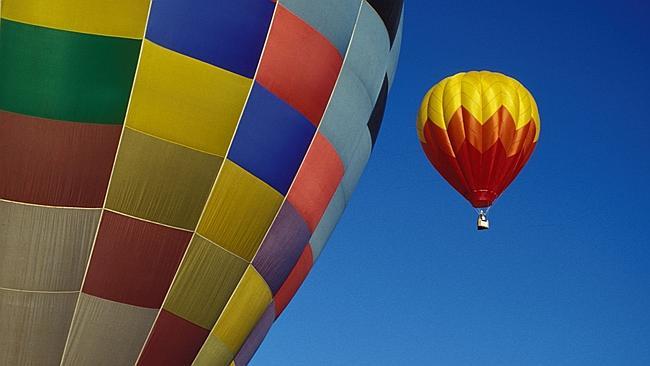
x=170 y=170
x=478 y=129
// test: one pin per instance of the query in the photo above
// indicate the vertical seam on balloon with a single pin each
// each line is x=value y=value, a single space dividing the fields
x=466 y=174
x=292 y=183
x=315 y=133
x=214 y=184
x=103 y=208
x=446 y=134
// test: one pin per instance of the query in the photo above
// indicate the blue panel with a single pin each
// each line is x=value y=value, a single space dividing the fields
x=271 y=140
x=228 y=34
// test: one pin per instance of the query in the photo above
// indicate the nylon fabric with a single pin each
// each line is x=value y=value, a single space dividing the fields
x=281 y=247
x=479 y=129
x=320 y=174
x=55 y=163
x=245 y=308
x=161 y=181
x=207 y=277
x=335 y=19
x=118 y=18
x=213 y=352
x=239 y=26
x=369 y=50
x=33 y=326
x=377 y=116
x=240 y=210
x=186 y=101
x=89 y=77
x=134 y=261
x=482 y=94
x=294 y=281
x=299 y=65
x=390 y=12
x=173 y=341
x=271 y=140
x=395 y=52
x=255 y=337
x=347 y=116
x=106 y=333
x=359 y=159
x=43 y=248
x=328 y=222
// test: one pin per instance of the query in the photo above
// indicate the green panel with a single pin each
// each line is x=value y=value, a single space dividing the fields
x=65 y=75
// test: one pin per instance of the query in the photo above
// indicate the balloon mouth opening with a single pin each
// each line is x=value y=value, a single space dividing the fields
x=482 y=198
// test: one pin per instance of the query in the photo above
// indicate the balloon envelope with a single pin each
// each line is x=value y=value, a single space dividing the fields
x=478 y=129
x=170 y=170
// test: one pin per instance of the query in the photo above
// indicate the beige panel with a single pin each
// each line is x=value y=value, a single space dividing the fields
x=33 y=327
x=239 y=212
x=43 y=248
x=161 y=181
x=206 y=279
x=213 y=353
x=244 y=310
x=107 y=333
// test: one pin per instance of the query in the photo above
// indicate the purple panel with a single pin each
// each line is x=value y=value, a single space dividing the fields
x=282 y=247
x=256 y=337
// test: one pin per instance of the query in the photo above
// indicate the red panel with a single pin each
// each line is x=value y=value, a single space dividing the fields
x=55 y=163
x=479 y=161
x=316 y=182
x=133 y=261
x=173 y=341
x=294 y=281
x=299 y=65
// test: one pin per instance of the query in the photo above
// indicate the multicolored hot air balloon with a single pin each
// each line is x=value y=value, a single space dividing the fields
x=479 y=129
x=170 y=170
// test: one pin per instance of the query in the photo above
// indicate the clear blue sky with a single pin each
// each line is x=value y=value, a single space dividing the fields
x=563 y=277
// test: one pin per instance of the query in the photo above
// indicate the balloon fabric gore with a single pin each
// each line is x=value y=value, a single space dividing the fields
x=170 y=170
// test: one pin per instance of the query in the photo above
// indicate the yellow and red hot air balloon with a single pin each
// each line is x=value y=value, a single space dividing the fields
x=479 y=129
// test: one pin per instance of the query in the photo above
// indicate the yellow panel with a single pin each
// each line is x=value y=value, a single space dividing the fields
x=206 y=279
x=187 y=101
x=240 y=210
x=213 y=352
x=119 y=18
x=481 y=93
x=248 y=303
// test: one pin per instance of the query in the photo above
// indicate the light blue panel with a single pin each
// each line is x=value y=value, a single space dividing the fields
x=334 y=19
x=327 y=223
x=347 y=115
x=357 y=164
x=368 y=55
x=394 y=53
